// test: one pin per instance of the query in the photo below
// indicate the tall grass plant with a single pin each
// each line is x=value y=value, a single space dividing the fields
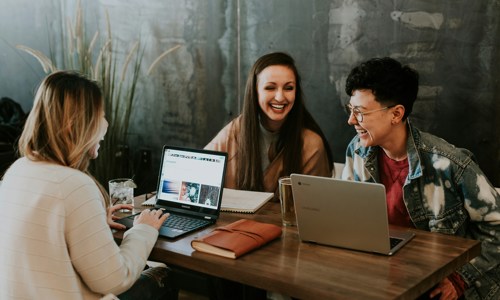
x=97 y=59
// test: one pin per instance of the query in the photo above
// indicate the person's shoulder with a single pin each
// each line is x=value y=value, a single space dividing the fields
x=48 y=170
x=57 y=180
x=231 y=127
x=225 y=136
x=65 y=176
x=435 y=145
x=311 y=137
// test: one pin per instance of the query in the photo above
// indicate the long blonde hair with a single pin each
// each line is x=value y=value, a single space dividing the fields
x=63 y=125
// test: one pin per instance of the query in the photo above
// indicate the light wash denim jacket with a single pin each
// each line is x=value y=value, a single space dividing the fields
x=445 y=192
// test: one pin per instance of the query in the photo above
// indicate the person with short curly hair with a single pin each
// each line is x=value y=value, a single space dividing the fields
x=430 y=184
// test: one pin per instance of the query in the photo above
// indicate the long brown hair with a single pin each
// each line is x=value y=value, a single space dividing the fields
x=250 y=174
x=63 y=125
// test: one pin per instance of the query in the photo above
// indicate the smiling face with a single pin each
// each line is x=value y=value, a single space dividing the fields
x=376 y=128
x=276 y=89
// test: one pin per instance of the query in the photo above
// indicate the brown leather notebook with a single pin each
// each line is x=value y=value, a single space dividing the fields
x=237 y=238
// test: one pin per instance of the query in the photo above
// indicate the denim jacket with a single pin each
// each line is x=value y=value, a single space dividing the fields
x=445 y=192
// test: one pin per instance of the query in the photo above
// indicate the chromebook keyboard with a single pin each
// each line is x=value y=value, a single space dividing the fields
x=395 y=241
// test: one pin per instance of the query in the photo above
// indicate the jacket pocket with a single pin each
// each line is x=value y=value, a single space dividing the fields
x=452 y=221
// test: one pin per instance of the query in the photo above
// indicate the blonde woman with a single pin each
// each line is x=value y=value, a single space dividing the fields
x=55 y=237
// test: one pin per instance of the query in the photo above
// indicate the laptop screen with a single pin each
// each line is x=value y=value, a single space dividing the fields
x=191 y=180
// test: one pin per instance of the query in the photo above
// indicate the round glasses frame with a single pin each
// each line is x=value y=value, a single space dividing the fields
x=359 y=114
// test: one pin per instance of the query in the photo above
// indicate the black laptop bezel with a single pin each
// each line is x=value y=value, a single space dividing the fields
x=186 y=208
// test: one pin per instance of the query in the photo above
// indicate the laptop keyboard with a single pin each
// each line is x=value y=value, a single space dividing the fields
x=184 y=223
x=181 y=222
x=394 y=242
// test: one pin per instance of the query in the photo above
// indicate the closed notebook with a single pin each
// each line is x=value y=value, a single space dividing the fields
x=239 y=201
x=237 y=238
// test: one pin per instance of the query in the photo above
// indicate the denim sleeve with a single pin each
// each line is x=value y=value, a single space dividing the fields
x=482 y=202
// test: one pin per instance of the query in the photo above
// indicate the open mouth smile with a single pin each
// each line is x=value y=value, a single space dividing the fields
x=278 y=106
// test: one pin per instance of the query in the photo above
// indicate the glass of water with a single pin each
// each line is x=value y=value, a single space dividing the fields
x=121 y=191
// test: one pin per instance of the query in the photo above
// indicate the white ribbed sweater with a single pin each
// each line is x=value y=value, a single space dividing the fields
x=54 y=239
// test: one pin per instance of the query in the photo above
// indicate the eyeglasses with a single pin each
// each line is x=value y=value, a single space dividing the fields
x=359 y=114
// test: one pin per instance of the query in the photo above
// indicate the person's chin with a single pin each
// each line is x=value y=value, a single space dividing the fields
x=94 y=153
x=366 y=142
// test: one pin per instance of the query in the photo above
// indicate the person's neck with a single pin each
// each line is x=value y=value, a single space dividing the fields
x=395 y=148
x=271 y=128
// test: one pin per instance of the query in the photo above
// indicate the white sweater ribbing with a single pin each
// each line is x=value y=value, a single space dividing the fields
x=55 y=242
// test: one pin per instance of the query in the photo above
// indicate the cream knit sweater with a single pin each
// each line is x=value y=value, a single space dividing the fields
x=54 y=239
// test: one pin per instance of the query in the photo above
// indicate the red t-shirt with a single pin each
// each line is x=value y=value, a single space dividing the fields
x=393 y=176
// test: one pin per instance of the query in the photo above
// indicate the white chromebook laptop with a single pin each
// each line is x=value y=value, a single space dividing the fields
x=347 y=214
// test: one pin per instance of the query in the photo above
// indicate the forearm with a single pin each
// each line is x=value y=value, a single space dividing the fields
x=489 y=258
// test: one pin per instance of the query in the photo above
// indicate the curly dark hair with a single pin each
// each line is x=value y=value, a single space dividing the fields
x=390 y=82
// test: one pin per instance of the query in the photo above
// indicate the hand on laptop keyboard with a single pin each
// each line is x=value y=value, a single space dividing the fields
x=111 y=218
x=152 y=217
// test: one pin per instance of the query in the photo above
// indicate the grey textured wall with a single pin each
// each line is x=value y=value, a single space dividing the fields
x=197 y=89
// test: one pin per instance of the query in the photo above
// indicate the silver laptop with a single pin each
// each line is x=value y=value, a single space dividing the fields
x=345 y=214
x=190 y=186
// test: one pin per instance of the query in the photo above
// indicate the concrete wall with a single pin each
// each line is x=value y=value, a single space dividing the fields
x=198 y=88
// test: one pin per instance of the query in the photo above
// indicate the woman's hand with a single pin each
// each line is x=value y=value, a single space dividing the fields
x=153 y=218
x=111 y=217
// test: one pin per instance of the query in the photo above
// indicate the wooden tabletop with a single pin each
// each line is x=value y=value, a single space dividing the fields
x=306 y=270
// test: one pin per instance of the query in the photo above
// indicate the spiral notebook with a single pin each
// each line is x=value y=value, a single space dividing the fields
x=243 y=201
x=239 y=201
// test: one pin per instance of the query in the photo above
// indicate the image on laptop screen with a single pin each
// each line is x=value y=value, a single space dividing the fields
x=191 y=179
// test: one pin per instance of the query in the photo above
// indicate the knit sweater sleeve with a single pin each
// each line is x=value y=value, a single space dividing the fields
x=103 y=266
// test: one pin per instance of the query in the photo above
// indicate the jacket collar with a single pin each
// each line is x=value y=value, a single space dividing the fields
x=369 y=154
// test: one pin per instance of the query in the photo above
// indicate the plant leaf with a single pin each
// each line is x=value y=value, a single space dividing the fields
x=127 y=60
x=157 y=60
x=100 y=58
x=46 y=63
x=92 y=43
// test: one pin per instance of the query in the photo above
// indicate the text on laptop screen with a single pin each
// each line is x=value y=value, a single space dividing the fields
x=189 y=177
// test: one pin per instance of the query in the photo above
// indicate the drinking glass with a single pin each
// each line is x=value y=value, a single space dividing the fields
x=121 y=191
x=286 y=202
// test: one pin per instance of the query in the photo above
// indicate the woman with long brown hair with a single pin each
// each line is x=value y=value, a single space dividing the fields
x=275 y=135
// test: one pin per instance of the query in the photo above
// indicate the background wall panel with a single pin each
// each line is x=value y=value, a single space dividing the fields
x=197 y=89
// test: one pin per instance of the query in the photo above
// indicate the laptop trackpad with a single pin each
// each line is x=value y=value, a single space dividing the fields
x=170 y=232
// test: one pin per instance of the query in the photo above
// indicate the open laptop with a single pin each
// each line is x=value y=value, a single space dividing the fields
x=190 y=186
x=345 y=214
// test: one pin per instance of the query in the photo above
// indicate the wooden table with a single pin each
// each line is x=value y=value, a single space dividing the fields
x=305 y=270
